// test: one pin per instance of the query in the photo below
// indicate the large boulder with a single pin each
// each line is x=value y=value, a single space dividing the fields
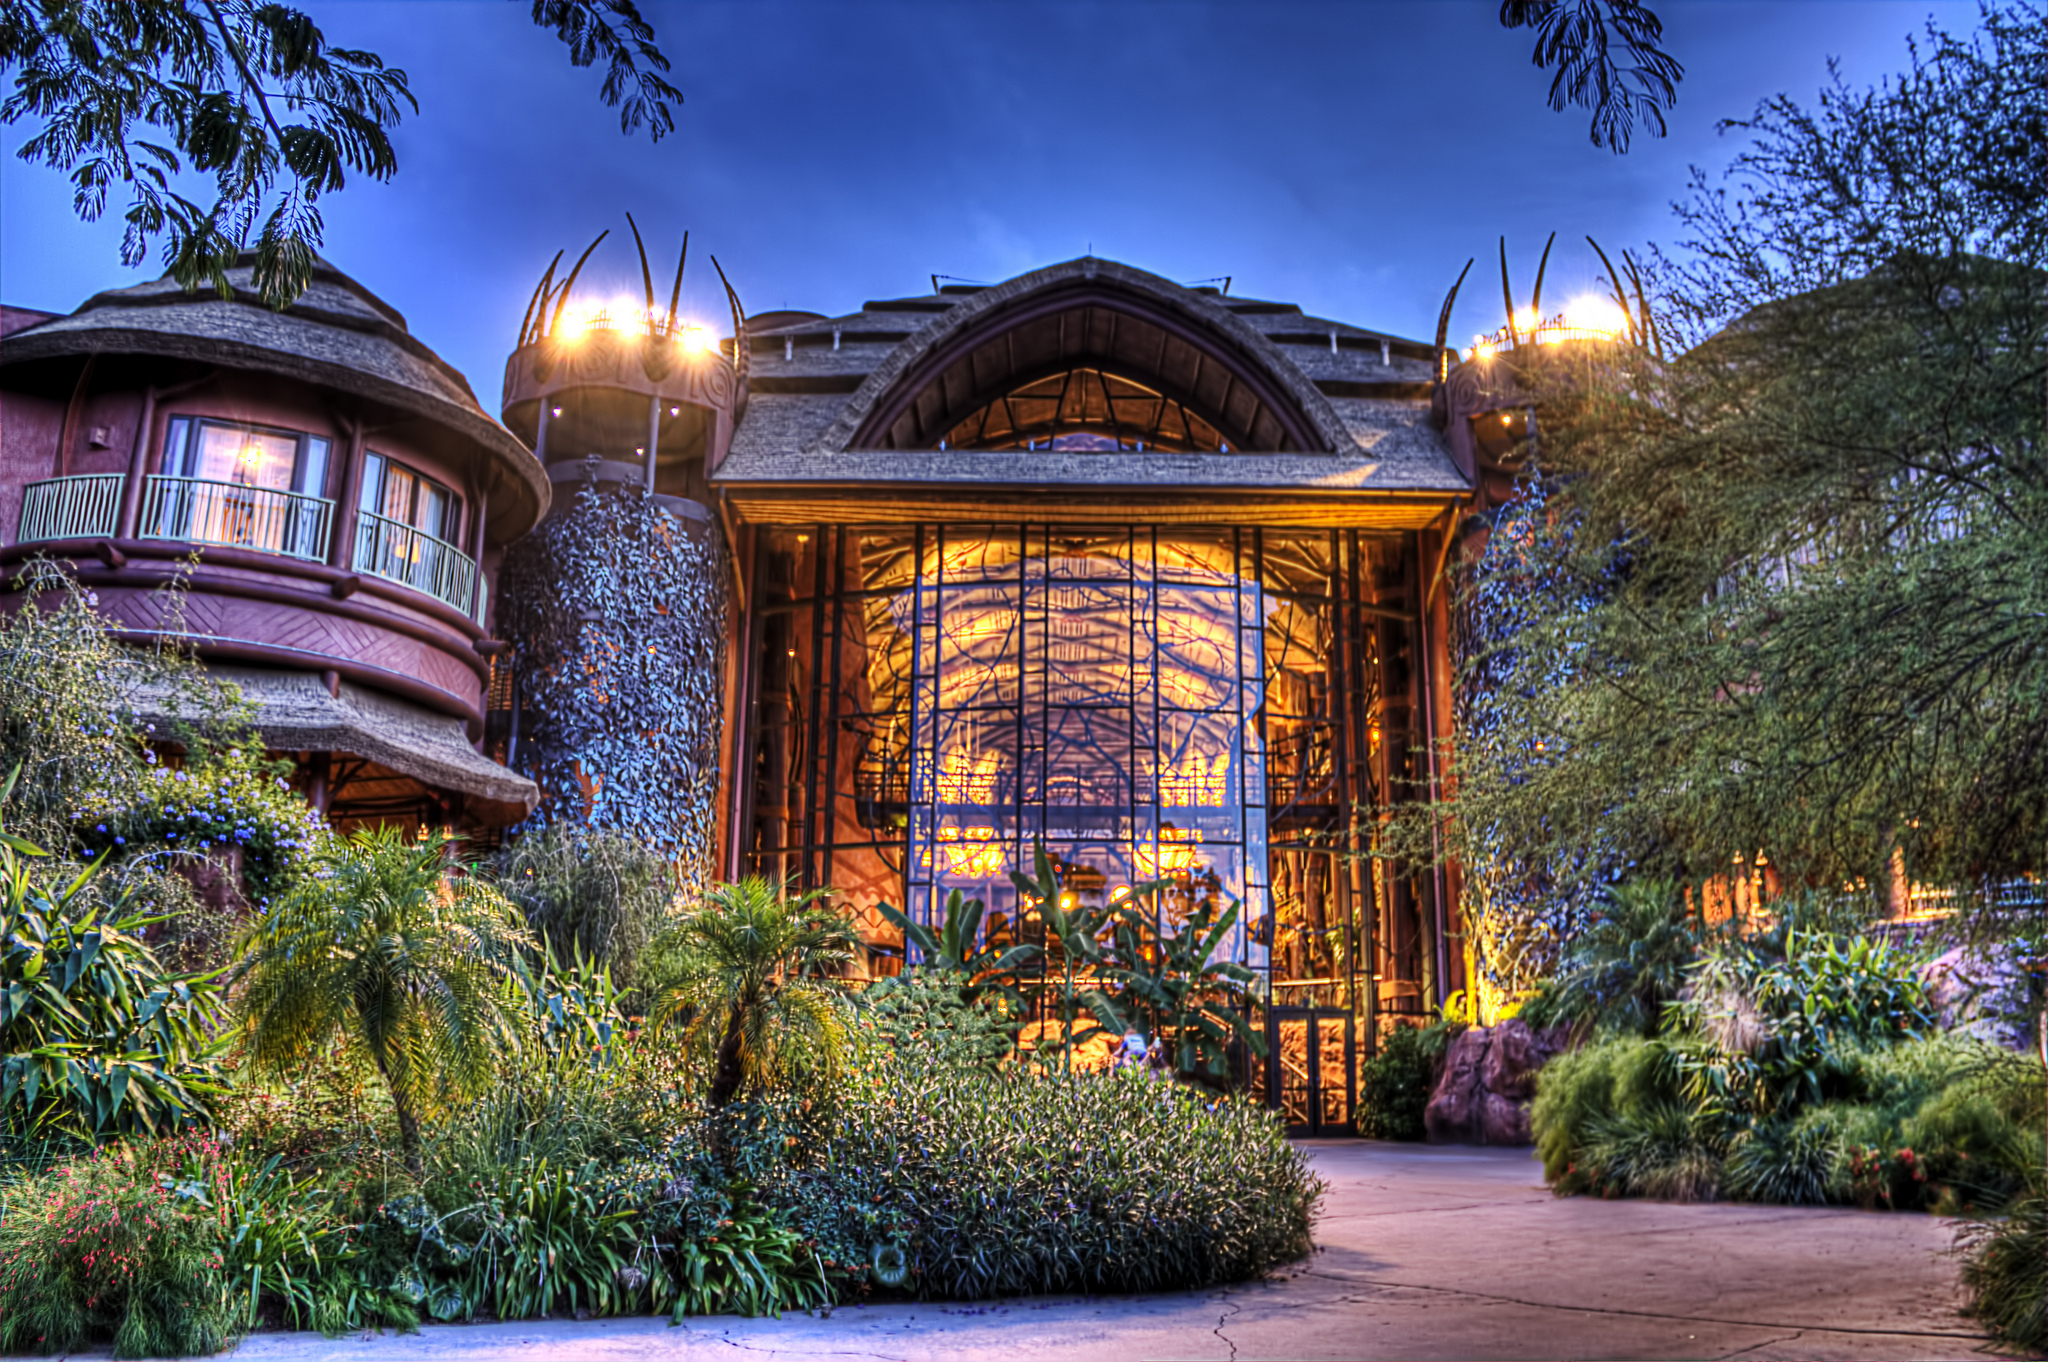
x=1981 y=991
x=1489 y=1075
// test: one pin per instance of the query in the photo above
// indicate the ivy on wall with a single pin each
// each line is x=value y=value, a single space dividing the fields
x=615 y=608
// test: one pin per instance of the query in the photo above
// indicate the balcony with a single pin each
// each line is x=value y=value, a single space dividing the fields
x=401 y=553
x=233 y=515
x=87 y=506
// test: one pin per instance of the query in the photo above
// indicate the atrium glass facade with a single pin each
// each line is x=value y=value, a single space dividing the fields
x=1205 y=706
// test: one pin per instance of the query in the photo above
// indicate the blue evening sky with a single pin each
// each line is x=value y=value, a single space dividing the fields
x=1343 y=154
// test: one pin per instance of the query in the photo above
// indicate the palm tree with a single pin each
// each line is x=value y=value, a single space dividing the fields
x=415 y=970
x=754 y=997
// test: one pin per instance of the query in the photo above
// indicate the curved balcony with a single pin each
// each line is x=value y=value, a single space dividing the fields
x=402 y=553
x=86 y=506
x=233 y=515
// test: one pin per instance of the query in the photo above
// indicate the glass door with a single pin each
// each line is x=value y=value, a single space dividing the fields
x=1312 y=1069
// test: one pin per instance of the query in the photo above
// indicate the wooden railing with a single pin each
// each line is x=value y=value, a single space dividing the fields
x=235 y=515
x=84 y=506
x=399 y=552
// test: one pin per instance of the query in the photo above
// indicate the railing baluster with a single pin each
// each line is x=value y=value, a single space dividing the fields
x=82 y=506
x=406 y=554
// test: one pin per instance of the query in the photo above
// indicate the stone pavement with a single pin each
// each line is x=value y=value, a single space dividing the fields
x=1425 y=1252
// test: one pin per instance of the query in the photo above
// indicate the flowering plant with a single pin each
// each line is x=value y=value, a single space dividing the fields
x=229 y=805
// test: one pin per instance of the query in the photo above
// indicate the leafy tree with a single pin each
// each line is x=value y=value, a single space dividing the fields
x=413 y=970
x=132 y=92
x=1806 y=545
x=95 y=1036
x=757 y=1000
x=1578 y=37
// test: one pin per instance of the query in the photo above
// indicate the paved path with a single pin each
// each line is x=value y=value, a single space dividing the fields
x=1425 y=1253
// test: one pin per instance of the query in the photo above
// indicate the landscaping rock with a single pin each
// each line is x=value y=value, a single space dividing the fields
x=1489 y=1075
x=1981 y=992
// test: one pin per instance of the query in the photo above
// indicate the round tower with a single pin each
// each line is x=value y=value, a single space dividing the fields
x=610 y=693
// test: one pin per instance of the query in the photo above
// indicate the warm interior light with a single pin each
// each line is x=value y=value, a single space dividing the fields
x=1506 y=419
x=675 y=411
x=556 y=411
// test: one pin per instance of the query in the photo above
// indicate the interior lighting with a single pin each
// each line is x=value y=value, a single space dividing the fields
x=1506 y=419
x=675 y=411
x=557 y=411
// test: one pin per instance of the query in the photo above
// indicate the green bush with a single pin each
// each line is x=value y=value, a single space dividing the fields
x=1581 y=1092
x=103 y=1250
x=2004 y=1281
x=1021 y=1183
x=96 y=1036
x=588 y=894
x=926 y=1014
x=1395 y=1084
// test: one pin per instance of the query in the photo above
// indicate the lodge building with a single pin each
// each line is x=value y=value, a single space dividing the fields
x=1144 y=573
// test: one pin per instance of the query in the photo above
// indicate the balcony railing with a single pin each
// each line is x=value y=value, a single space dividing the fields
x=401 y=553
x=236 y=516
x=83 y=507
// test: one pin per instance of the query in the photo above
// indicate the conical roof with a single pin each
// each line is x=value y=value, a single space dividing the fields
x=337 y=335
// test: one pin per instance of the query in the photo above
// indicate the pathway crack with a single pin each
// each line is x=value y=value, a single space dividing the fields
x=1231 y=1308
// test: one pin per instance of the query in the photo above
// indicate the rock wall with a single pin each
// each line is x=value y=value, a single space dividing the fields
x=1488 y=1079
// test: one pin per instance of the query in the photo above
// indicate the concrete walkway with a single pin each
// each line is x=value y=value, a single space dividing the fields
x=1424 y=1253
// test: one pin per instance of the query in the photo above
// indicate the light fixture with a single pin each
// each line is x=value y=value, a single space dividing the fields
x=556 y=412
x=675 y=411
x=1506 y=419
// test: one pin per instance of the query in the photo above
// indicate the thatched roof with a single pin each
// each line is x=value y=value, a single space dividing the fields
x=339 y=335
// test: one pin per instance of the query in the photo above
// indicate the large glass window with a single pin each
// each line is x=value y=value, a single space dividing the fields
x=240 y=485
x=1195 y=705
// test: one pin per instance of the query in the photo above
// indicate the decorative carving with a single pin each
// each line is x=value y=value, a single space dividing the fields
x=615 y=612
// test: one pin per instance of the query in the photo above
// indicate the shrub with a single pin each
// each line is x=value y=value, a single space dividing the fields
x=1394 y=1086
x=926 y=1015
x=1653 y=1149
x=1616 y=1076
x=588 y=894
x=95 y=1035
x=102 y=1250
x=1787 y=1162
x=1019 y=1183
x=2004 y=1282
x=232 y=804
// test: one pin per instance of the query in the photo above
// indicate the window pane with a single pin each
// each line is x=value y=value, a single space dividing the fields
x=312 y=478
x=434 y=506
x=372 y=495
x=399 y=484
x=176 y=438
x=253 y=458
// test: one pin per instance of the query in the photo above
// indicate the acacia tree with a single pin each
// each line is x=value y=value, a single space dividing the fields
x=129 y=93
x=1810 y=618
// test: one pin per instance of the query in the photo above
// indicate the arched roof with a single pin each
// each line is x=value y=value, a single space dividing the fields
x=1092 y=314
x=338 y=335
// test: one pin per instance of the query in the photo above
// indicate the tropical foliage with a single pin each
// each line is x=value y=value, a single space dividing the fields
x=1395 y=1084
x=96 y=1037
x=415 y=972
x=588 y=893
x=757 y=998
